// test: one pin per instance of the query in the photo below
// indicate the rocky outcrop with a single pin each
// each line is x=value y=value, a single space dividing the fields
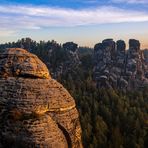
x=116 y=67
x=104 y=54
x=35 y=110
x=59 y=59
x=71 y=61
x=145 y=53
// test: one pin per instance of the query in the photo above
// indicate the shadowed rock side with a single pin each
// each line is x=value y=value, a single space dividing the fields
x=71 y=61
x=116 y=67
x=145 y=53
x=35 y=110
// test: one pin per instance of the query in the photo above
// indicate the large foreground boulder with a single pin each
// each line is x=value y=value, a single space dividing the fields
x=35 y=110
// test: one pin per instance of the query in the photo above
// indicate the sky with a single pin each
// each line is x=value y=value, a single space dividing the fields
x=85 y=22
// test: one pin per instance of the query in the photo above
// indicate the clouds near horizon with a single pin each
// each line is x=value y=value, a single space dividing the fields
x=18 y=17
x=83 y=21
x=131 y=1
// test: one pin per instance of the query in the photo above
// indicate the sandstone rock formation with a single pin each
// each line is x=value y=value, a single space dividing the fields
x=71 y=61
x=35 y=110
x=116 y=67
x=145 y=53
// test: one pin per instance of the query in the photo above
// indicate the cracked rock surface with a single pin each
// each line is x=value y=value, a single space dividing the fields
x=35 y=110
x=115 y=67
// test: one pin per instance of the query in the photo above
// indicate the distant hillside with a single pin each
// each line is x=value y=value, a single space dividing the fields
x=111 y=117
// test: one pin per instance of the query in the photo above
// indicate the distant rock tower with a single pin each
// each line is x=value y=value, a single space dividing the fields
x=35 y=110
x=118 y=68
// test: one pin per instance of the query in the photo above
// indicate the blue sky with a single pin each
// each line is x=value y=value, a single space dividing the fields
x=85 y=22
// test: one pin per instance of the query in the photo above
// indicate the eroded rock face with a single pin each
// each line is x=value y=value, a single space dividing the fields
x=35 y=110
x=145 y=54
x=104 y=61
x=21 y=63
x=117 y=68
x=71 y=62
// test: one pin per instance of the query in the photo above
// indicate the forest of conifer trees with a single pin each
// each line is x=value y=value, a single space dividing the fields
x=109 y=118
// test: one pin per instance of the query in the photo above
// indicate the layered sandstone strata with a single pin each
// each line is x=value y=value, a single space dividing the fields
x=35 y=110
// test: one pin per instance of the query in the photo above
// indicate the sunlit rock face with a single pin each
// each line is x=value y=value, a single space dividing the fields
x=20 y=63
x=116 y=67
x=35 y=110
